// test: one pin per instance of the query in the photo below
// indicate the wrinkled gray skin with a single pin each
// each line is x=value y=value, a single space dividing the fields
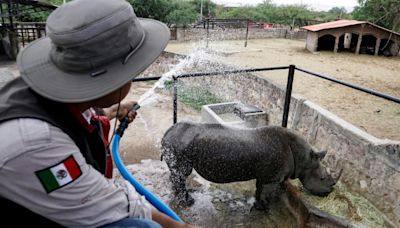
x=224 y=154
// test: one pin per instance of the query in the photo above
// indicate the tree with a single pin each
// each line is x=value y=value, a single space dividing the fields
x=209 y=8
x=266 y=2
x=177 y=12
x=184 y=13
x=239 y=13
x=156 y=9
x=338 y=12
x=385 y=13
x=27 y=14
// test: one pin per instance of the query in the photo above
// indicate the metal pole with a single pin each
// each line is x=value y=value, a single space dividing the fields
x=175 y=100
x=2 y=14
x=208 y=30
x=10 y=14
x=247 y=33
x=201 y=10
x=353 y=86
x=289 y=86
x=230 y=72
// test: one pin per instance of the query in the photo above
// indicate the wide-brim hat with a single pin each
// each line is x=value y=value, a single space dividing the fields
x=92 y=48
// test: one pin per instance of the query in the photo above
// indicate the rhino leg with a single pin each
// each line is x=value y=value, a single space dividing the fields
x=178 y=180
x=266 y=193
x=259 y=204
x=179 y=170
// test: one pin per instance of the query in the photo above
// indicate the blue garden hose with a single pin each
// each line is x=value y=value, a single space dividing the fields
x=154 y=200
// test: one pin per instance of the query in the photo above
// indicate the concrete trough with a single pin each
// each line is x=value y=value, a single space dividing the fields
x=234 y=113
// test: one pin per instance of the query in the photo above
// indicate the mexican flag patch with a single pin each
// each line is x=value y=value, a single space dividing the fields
x=59 y=175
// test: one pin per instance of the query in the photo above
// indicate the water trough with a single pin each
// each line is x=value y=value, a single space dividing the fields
x=235 y=114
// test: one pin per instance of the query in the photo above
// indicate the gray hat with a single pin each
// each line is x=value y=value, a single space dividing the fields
x=92 y=48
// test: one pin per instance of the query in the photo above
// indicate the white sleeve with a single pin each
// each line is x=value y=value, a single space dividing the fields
x=89 y=200
x=139 y=207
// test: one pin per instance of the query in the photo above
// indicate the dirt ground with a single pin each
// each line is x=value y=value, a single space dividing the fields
x=377 y=116
x=216 y=206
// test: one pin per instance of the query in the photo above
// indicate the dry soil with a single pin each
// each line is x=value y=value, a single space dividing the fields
x=378 y=117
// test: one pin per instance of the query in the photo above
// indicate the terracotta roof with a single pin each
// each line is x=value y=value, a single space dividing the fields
x=332 y=24
x=343 y=23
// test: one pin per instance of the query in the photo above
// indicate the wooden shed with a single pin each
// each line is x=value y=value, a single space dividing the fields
x=360 y=37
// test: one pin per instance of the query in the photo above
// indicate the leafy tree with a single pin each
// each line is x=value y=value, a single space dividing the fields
x=156 y=9
x=54 y=2
x=266 y=2
x=339 y=12
x=178 y=12
x=239 y=13
x=184 y=13
x=30 y=15
x=385 y=13
x=268 y=12
x=209 y=8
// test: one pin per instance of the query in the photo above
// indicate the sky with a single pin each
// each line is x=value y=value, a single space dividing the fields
x=319 y=5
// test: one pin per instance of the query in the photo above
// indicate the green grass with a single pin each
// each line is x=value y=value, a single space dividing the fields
x=194 y=96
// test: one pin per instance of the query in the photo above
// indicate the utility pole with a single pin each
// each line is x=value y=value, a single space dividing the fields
x=201 y=10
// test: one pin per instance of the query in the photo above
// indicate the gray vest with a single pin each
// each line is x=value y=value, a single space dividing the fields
x=17 y=100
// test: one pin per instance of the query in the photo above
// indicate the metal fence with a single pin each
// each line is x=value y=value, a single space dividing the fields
x=289 y=85
x=28 y=32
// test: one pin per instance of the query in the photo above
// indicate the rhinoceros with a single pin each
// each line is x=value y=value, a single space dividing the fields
x=224 y=154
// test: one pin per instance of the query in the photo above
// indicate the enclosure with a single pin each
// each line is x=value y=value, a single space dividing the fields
x=246 y=88
x=375 y=171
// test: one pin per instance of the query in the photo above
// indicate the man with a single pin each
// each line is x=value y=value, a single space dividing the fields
x=53 y=155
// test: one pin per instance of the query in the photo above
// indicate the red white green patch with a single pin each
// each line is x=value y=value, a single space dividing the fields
x=59 y=175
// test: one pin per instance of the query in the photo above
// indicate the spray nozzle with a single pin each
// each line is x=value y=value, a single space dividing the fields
x=125 y=122
x=135 y=107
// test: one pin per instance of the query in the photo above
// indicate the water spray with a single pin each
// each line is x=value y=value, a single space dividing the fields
x=154 y=200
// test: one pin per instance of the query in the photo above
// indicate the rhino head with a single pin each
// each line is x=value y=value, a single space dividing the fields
x=316 y=178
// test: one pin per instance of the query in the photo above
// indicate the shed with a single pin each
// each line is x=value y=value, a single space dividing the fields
x=360 y=37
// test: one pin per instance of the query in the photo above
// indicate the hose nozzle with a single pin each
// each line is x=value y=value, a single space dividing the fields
x=125 y=122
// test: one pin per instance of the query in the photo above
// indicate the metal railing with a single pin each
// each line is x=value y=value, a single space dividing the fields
x=28 y=32
x=289 y=86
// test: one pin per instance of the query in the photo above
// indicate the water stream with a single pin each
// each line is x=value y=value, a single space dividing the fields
x=198 y=56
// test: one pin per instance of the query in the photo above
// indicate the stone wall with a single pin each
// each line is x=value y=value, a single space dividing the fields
x=190 y=34
x=312 y=41
x=371 y=166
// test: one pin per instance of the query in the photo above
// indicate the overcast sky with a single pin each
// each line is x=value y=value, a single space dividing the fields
x=315 y=4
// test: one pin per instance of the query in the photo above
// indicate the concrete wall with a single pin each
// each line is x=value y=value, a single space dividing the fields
x=312 y=41
x=189 y=34
x=371 y=165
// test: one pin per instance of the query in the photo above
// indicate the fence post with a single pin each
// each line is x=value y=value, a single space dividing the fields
x=247 y=32
x=175 y=99
x=288 y=95
x=208 y=31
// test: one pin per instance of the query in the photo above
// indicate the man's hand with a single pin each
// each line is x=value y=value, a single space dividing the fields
x=124 y=110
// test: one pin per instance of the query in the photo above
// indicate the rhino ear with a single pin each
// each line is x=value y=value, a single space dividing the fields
x=318 y=155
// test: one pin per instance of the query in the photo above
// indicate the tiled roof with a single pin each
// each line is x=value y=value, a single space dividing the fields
x=332 y=24
x=341 y=24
